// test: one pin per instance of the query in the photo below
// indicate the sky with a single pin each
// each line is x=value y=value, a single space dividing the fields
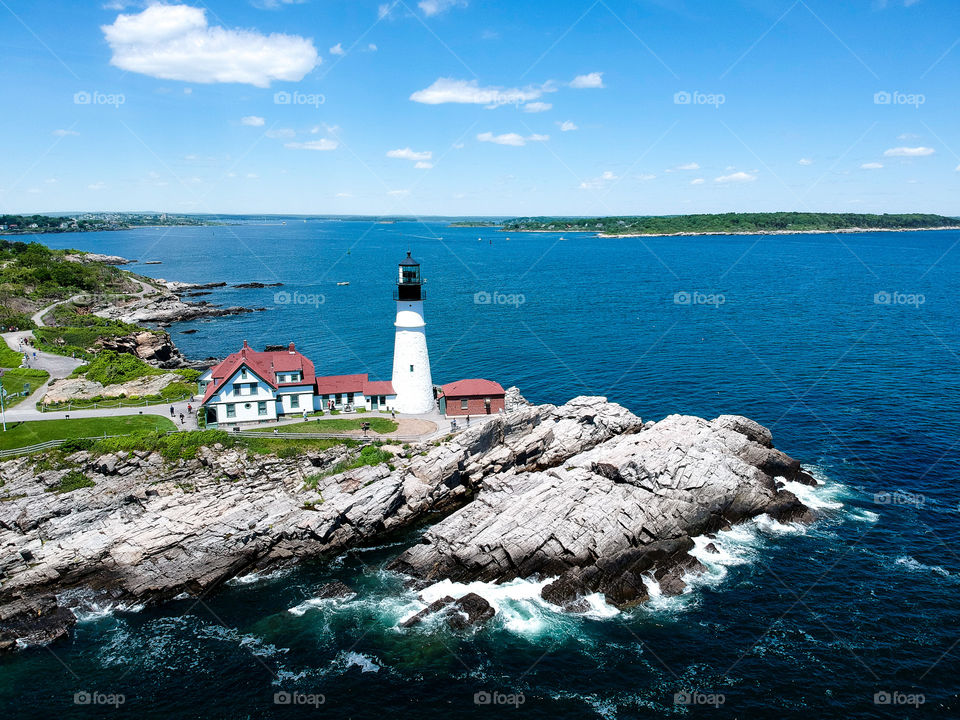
x=463 y=107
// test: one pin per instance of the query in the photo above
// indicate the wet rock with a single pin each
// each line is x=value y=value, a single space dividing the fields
x=335 y=589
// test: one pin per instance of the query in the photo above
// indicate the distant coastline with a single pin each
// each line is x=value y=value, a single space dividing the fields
x=846 y=231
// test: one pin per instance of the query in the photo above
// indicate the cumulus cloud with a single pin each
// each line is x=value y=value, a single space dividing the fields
x=685 y=166
x=252 y=121
x=448 y=90
x=410 y=154
x=511 y=138
x=175 y=42
x=599 y=182
x=423 y=165
x=697 y=181
x=737 y=177
x=804 y=161
x=322 y=144
x=872 y=166
x=536 y=107
x=567 y=126
x=435 y=7
x=909 y=152
x=338 y=50
x=63 y=133
x=590 y=80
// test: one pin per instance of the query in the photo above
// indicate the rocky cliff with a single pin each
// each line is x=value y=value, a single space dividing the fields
x=585 y=492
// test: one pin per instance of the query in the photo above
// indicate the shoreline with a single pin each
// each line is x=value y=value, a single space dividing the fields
x=845 y=231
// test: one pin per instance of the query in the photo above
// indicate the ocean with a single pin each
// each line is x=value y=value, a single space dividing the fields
x=846 y=346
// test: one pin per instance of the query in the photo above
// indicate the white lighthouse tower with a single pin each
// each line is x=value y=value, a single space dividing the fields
x=411 y=364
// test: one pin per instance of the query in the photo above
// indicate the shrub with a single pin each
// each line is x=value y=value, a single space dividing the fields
x=73 y=480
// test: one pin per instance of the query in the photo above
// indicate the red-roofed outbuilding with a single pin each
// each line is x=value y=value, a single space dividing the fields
x=473 y=396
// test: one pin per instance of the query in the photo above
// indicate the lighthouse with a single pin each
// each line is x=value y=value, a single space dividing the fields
x=411 y=362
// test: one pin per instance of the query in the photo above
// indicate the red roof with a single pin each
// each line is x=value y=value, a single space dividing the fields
x=472 y=387
x=378 y=387
x=265 y=365
x=333 y=384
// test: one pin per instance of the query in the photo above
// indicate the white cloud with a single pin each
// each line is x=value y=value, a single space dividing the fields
x=599 y=182
x=398 y=192
x=536 y=107
x=409 y=154
x=736 y=177
x=958 y=168
x=909 y=152
x=63 y=133
x=338 y=50
x=274 y=4
x=697 y=181
x=590 y=80
x=323 y=144
x=174 y=42
x=344 y=195
x=371 y=47
x=871 y=166
x=511 y=138
x=908 y=136
x=567 y=126
x=448 y=90
x=804 y=161
x=646 y=176
x=282 y=133
x=252 y=121
x=423 y=165
x=96 y=186
x=435 y=7
x=685 y=166
x=384 y=10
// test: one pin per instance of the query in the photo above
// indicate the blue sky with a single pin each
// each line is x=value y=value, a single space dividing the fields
x=462 y=107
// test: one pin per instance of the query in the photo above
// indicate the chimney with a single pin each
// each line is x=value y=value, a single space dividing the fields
x=243 y=350
x=292 y=348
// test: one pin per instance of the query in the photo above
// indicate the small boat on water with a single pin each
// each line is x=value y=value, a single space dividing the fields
x=343 y=283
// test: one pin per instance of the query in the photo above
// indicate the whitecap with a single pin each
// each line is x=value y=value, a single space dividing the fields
x=911 y=563
x=256 y=577
x=364 y=662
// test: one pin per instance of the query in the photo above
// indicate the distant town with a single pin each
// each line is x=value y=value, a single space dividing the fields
x=90 y=222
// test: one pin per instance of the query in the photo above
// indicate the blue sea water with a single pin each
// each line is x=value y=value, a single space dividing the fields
x=847 y=347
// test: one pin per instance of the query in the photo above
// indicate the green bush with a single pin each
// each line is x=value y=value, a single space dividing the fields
x=110 y=367
x=73 y=480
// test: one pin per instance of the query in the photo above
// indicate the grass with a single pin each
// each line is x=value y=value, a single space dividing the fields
x=22 y=434
x=377 y=424
x=73 y=480
x=370 y=455
x=16 y=378
x=9 y=358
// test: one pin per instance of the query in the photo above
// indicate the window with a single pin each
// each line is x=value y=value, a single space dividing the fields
x=464 y=404
x=339 y=398
x=243 y=373
x=411 y=368
x=231 y=410
x=350 y=398
x=383 y=399
x=261 y=408
x=294 y=401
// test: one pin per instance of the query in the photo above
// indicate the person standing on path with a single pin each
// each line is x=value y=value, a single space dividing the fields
x=181 y=418
x=171 y=411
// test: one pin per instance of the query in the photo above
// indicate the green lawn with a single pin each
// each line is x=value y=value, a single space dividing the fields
x=377 y=424
x=15 y=379
x=9 y=358
x=32 y=432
